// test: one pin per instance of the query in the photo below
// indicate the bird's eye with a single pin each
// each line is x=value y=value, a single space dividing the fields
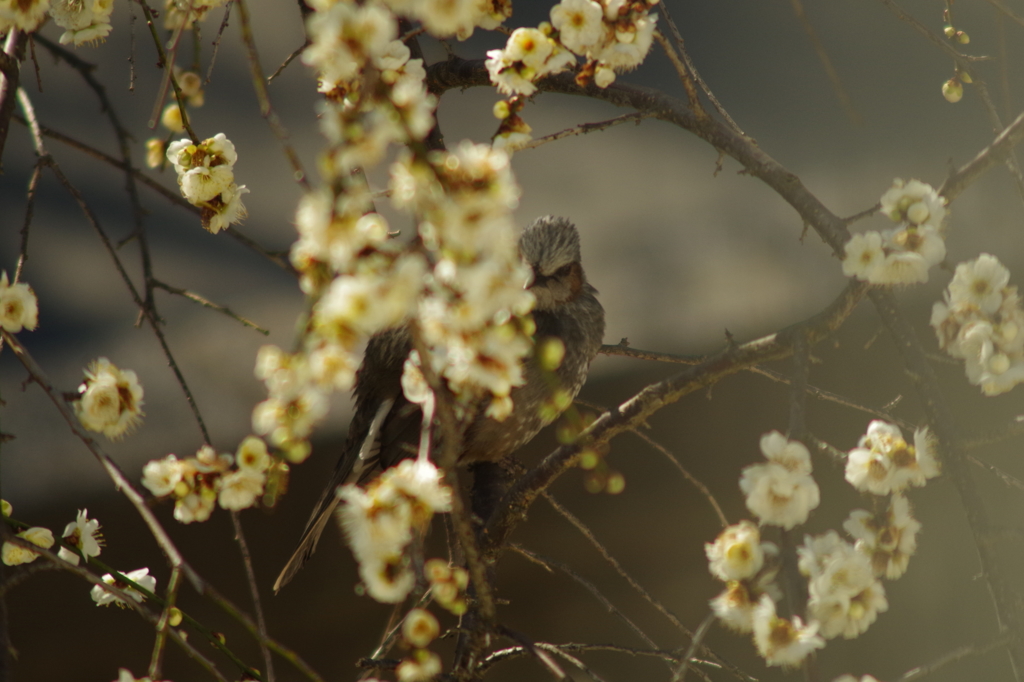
x=563 y=271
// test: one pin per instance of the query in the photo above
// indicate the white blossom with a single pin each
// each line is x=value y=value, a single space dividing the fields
x=161 y=476
x=888 y=540
x=13 y=555
x=914 y=202
x=239 y=489
x=104 y=597
x=783 y=642
x=791 y=454
x=110 y=399
x=84 y=21
x=195 y=506
x=777 y=496
x=579 y=24
x=84 y=534
x=979 y=283
x=883 y=462
x=18 y=306
x=736 y=553
x=24 y=15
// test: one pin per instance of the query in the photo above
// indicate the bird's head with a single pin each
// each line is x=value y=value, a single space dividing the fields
x=551 y=247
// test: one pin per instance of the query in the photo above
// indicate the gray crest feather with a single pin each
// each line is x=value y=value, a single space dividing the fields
x=549 y=243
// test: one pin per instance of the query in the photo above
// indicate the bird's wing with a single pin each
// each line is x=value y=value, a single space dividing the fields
x=348 y=469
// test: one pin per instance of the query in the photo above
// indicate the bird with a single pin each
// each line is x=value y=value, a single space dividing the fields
x=385 y=426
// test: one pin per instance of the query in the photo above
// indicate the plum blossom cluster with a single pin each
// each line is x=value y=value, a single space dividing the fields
x=381 y=520
x=109 y=399
x=296 y=401
x=612 y=35
x=883 y=463
x=82 y=534
x=375 y=94
x=141 y=577
x=980 y=321
x=190 y=84
x=529 y=54
x=904 y=254
x=19 y=308
x=197 y=484
x=888 y=539
x=780 y=492
x=474 y=313
x=362 y=282
x=206 y=177
x=448 y=585
x=419 y=629
x=83 y=21
x=844 y=579
x=845 y=595
x=460 y=280
x=747 y=566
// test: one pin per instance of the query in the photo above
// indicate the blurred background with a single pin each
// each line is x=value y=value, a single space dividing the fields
x=680 y=253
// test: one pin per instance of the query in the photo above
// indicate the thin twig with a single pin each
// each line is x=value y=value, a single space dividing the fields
x=694 y=481
x=698 y=638
x=1010 y=14
x=163 y=624
x=166 y=61
x=538 y=652
x=206 y=303
x=692 y=68
x=144 y=309
x=517 y=651
x=254 y=592
x=288 y=60
x=684 y=76
x=994 y=153
x=584 y=128
x=614 y=563
x=826 y=62
x=216 y=43
x=590 y=587
x=959 y=654
x=30 y=202
x=10 y=80
x=963 y=61
x=263 y=97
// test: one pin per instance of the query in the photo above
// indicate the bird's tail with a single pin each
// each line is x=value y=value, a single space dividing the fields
x=349 y=469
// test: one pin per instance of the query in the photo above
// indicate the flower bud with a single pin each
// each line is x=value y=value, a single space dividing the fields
x=172 y=119
x=952 y=90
